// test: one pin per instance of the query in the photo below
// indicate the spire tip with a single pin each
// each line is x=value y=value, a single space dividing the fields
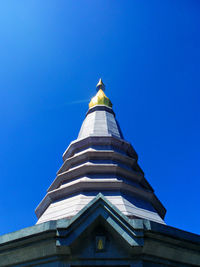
x=100 y=85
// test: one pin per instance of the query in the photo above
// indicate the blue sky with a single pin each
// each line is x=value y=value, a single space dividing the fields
x=52 y=54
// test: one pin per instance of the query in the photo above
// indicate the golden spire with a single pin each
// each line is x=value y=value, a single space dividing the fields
x=100 y=98
x=100 y=85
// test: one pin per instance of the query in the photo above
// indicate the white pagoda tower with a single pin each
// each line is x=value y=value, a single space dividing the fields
x=100 y=160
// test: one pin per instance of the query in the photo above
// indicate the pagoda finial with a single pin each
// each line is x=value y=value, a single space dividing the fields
x=100 y=85
x=100 y=98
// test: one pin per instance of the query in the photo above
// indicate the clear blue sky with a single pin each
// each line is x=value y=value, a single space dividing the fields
x=52 y=54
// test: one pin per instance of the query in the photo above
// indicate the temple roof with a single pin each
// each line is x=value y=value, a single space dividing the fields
x=73 y=241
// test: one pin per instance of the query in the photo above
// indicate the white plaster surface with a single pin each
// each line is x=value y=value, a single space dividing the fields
x=99 y=123
x=66 y=208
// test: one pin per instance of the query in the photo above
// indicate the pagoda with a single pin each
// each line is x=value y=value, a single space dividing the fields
x=100 y=210
x=100 y=160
